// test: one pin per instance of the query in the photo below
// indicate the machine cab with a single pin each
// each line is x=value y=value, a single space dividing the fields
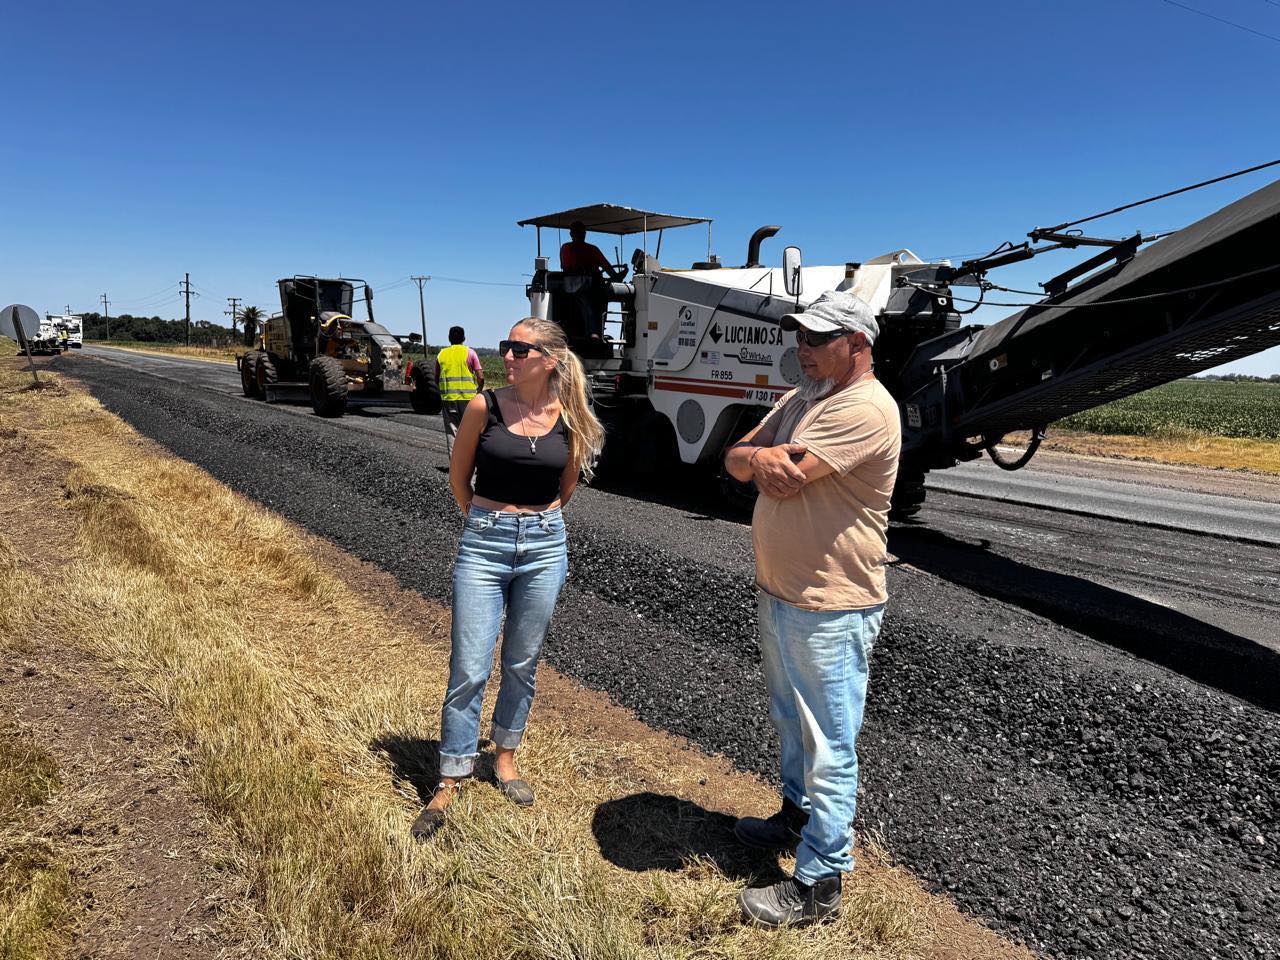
x=590 y=296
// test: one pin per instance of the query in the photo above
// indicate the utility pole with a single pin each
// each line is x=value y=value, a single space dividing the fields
x=422 y=312
x=107 y=314
x=234 y=312
x=186 y=284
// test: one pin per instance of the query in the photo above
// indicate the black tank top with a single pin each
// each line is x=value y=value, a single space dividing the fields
x=508 y=471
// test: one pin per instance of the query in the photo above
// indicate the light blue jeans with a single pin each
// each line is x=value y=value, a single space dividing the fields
x=515 y=562
x=816 y=667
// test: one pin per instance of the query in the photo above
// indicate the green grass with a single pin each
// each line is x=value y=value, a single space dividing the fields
x=1247 y=410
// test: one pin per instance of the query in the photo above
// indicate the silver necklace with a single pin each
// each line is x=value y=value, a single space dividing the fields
x=533 y=441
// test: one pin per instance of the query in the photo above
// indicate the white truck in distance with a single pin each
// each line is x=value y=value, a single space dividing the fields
x=74 y=328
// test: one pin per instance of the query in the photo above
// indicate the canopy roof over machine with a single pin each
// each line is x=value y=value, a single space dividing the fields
x=610 y=218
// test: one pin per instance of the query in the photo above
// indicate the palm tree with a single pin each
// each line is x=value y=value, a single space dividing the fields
x=251 y=316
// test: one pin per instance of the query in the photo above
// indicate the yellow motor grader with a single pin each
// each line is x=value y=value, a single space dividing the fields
x=314 y=342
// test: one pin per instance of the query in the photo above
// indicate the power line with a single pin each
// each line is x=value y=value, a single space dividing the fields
x=150 y=296
x=479 y=283
x=153 y=308
x=1161 y=196
x=1229 y=23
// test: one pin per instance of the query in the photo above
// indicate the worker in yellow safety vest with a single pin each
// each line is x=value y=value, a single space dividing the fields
x=460 y=376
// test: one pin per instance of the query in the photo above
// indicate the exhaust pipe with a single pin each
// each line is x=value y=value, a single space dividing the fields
x=753 y=246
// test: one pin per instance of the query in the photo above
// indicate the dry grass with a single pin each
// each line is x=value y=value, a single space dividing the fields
x=35 y=884
x=219 y=354
x=36 y=896
x=310 y=717
x=1175 y=446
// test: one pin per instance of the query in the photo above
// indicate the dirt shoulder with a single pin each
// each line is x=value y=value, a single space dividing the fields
x=1087 y=460
x=1256 y=458
x=148 y=870
x=209 y=354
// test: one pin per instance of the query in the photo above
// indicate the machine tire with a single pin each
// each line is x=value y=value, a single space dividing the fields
x=908 y=493
x=264 y=374
x=612 y=463
x=425 y=395
x=652 y=453
x=249 y=374
x=740 y=496
x=328 y=387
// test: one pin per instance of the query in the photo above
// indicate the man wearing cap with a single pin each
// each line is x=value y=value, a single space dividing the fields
x=824 y=461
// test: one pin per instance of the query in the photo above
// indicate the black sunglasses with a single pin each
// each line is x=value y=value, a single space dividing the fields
x=519 y=349
x=807 y=338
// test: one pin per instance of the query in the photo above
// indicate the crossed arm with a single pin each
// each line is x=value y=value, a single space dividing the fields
x=779 y=471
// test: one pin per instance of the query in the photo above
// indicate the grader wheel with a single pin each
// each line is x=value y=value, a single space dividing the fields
x=328 y=387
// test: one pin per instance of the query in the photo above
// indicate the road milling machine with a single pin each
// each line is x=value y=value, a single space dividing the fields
x=692 y=358
x=314 y=343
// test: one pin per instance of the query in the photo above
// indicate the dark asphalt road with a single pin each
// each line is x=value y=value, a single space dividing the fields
x=1072 y=727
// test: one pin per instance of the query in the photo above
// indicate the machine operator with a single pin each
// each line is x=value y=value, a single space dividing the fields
x=585 y=259
x=580 y=258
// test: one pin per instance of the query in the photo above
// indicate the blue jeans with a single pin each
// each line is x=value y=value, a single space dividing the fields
x=816 y=667
x=511 y=561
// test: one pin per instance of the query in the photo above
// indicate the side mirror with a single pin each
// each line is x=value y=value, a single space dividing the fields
x=791 y=271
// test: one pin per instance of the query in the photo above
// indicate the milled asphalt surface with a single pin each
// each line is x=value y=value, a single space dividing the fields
x=1072 y=725
x=1178 y=510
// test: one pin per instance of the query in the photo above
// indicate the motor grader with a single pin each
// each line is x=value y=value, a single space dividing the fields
x=314 y=343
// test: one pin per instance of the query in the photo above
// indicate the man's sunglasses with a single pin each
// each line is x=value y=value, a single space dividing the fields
x=519 y=349
x=807 y=338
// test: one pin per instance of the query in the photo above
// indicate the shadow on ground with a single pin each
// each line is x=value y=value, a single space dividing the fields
x=1199 y=651
x=652 y=831
x=417 y=761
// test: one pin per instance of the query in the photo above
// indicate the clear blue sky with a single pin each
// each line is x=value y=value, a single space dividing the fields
x=244 y=142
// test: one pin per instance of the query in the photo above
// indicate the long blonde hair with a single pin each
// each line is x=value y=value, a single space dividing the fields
x=568 y=384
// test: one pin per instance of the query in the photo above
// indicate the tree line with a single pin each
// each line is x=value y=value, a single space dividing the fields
x=158 y=330
x=1238 y=377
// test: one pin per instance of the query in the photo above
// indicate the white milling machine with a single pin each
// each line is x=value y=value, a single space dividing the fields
x=691 y=359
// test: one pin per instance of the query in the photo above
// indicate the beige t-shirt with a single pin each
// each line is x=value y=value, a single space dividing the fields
x=825 y=547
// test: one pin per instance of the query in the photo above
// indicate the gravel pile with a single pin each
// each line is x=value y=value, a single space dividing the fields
x=1087 y=803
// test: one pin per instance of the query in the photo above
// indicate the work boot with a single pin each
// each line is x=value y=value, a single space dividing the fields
x=780 y=832
x=791 y=903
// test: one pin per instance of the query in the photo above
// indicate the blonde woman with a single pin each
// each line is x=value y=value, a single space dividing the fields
x=526 y=445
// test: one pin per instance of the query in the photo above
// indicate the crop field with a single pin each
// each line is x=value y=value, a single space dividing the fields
x=1246 y=410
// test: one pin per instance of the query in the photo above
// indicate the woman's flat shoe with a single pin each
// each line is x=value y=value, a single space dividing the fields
x=517 y=791
x=428 y=822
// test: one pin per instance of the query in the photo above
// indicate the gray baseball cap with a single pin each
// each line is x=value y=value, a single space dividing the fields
x=835 y=310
